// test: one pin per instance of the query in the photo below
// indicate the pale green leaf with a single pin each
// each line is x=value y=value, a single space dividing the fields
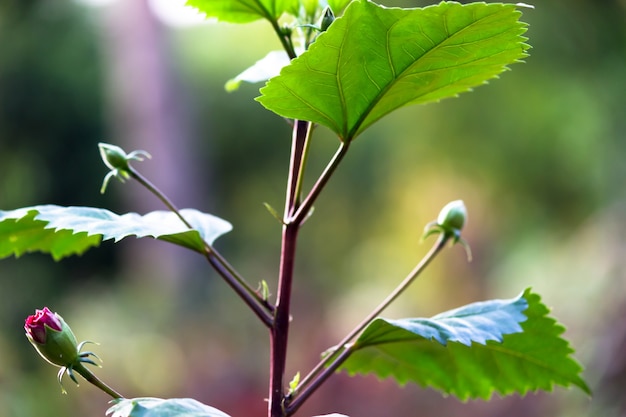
x=262 y=70
x=157 y=407
x=374 y=60
x=244 y=11
x=472 y=351
x=64 y=231
x=473 y=323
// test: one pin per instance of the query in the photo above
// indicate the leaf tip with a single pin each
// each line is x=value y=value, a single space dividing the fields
x=232 y=85
x=525 y=5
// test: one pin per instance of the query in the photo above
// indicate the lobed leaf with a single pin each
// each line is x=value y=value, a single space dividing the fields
x=157 y=407
x=473 y=351
x=244 y=11
x=374 y=60
x=64 y=231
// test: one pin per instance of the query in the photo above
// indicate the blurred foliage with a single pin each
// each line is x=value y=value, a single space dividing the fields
x=537 y=156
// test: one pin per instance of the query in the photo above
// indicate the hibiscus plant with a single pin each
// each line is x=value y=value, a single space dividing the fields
x=345 y=64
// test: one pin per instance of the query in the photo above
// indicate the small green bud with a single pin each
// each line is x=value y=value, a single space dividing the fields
x=117 y=160
x=450 y=222
x=113 y=156
x=293 y=384
x=328 y=17
x=453 y=216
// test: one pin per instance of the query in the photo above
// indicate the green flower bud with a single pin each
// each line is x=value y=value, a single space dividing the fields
x=52 y=338
x=450 y=222
x=113 y=156
x=117 y=160
x=453 y=216
x=328 y=17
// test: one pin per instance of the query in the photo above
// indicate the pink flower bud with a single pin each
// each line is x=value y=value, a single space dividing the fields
x=52 y=338
x=35 y=325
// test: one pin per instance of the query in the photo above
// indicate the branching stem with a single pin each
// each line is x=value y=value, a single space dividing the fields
x=340 y=353
x=303 y=210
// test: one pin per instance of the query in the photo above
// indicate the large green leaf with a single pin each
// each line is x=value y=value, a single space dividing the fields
x=64 y=231
x=472 y=351
x=374 y=60
x=157 y=407
x=243 y=11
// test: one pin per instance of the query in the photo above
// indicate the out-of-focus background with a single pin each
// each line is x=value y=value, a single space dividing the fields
x=537 y=155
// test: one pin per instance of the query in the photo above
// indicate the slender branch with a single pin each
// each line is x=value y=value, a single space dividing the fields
x=307 y=203
x=300 y=138
x=258 y=305
x=285 y=38
x=322 y=371
x=304 y=152
x=297 y=402
x=158 y=193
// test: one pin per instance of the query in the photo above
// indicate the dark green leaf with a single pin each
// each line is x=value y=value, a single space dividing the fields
x=243 y=11
x=472 y=351
x=157 y=407
x=374 y=60
x=65 y=231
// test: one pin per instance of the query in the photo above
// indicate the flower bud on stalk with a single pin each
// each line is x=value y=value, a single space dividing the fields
x=450 y=222
x=52 y=337
x=55 y=342
x=117 y=160
x=452 y=217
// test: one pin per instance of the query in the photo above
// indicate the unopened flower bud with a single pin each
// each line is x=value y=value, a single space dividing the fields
x=328 y=17
x=113 y=156
x=117 y=160
x=450 y=222
x=54 y=341
x=453 y=216
x=52 y=337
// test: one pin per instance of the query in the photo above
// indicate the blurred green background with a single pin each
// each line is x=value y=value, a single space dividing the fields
x=537 y=156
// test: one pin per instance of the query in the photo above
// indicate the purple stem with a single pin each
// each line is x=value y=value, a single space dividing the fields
x=279 y=332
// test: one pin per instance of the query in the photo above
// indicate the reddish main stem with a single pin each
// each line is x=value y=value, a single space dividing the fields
x=280 y=331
